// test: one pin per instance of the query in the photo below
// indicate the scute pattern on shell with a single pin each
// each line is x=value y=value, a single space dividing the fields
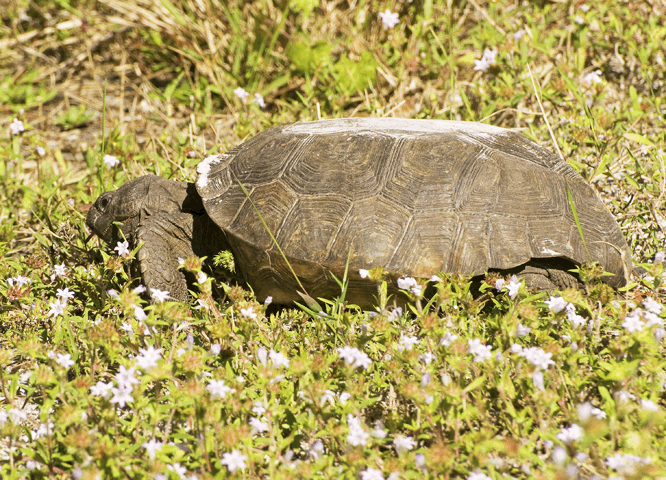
x=413 y=196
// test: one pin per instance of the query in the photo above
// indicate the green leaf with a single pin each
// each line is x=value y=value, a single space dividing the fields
x=635 y=137
x=475 y=384
x=353 y=76
x=305 y=58
x=225 y=259
x=42 y=239
x=168 y=91
x=605 y=394
x=506 y=384
x=616 y=372
x=304 y=6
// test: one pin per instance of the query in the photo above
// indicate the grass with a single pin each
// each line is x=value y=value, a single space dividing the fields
x=508 y=384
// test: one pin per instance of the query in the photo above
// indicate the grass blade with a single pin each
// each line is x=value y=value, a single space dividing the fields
x=578 y=225
x=275 y=242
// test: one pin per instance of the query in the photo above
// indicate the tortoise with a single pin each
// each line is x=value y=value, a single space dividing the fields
x=415 y=197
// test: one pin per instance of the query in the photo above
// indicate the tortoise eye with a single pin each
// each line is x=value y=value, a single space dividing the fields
x=103 y=203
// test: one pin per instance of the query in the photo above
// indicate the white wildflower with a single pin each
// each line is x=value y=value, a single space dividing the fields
x=513 y=287
x=592 y=77
x=159 y=295
x=101 y=389
x=122 y=248
x=389 y=20
x=278 y=359
x=60 y=270
x=372 y=474
x=57 y=308
x=217 y=388
x=447 y=339
x=403 y=444
x=486 y=61
x=407 y=342
x=556 y=304
x=653 y=306
x=152 y=446
x=257 y=425
x=571 y=434
x=148 y=357
x=110 y=161
x=633 y=322
x=354 y=357
x=259 y=100
x=65 y=294
x=64 y=360
x=242 y=94
x=357 y=435
x=16 y=127
x=537 y=357
x=480 y=351
x=522 y=330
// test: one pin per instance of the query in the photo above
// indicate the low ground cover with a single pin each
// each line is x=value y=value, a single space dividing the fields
x=100 y=381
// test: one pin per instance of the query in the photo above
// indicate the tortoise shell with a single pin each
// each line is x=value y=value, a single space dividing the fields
x=416 y=197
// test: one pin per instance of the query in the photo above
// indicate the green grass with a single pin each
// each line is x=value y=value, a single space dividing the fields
x=170 y=81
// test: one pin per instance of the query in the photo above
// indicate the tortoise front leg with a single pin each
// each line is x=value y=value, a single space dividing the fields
x=165 y=238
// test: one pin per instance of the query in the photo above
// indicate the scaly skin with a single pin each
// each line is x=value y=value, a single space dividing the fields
x=167 y=218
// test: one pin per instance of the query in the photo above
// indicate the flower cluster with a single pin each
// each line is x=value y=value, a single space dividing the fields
x=407 y=342
x=586 y=410
x=626 y=464
x=480 y=351
x=125 y=378
x=243 y=95
x=537 y=357
x=277 y=358
x=330 y=396
x=18 y=281
x=354 y=357
x=512 y=287
x=58 y=307
x=572 y=434
x=557 y=304
x=357 y=434
x=640 y=319
x=410 y=284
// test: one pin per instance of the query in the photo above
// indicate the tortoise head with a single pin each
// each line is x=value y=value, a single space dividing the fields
x=122 y=205
x=145 y=195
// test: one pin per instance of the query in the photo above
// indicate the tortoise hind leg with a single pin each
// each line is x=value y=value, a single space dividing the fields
x=548 y=274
